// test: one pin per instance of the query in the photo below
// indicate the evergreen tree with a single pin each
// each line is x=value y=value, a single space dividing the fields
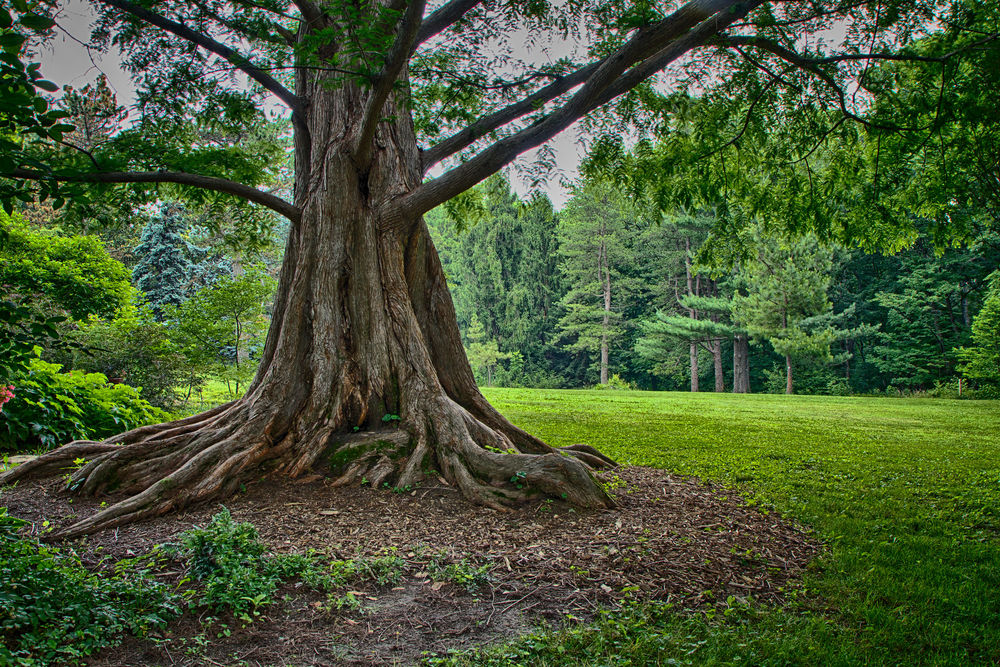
x=981 y=361
x=164 y=270
x=596 y=252
x=928 y=309
x=661 y=333
x=533 y=297
x=786 y=284
x=502 y=268
x=483 y=354
x=686 y=307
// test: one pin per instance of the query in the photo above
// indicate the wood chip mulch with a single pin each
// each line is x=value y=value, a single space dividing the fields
x=670 y=538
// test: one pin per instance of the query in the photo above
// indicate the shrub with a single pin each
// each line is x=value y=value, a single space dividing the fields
x=615 y=382
x=136 y=347
x=54 y=611
x=71 y=274
x=228 y=559
x=51 y=408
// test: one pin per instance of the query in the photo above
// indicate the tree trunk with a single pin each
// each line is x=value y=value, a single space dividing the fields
x=692 y=313
x=693 y=351
x=741 y=364
x=363 y=373
x=720 y=380
x=788 y=374
x=605 y=273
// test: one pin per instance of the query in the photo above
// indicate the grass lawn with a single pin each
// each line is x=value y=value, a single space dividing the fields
x=905 y=493
x=211 y=394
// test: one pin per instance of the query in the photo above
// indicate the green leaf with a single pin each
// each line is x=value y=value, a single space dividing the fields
x=37 y=22
x=46 y=85
x=11 y=41
x=20 y=5
x=5 y=20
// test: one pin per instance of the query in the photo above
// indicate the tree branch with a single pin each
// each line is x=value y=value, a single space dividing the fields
x=486 y=124
x=653 y=47
x=395 y=60
x=810 y=65
x=214 y=183
x=802 y=61
x=234 y=27
x=310 y=12
x=746 y=121
x=237 y=59
x=444 y=17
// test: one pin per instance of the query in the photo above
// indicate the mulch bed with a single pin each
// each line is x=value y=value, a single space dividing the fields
x=670 y=538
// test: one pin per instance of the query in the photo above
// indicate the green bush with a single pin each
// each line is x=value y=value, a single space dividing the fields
x=615 y=382
x=228 y=559
x=133 y=346
x=74 y=275
x=51 y=408
x=54 y=611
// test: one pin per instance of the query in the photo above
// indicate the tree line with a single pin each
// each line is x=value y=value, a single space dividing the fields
x=612 y=290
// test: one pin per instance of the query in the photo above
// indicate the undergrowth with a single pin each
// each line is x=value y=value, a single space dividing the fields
x=54 y=610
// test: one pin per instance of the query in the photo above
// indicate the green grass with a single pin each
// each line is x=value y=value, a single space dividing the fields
x=905 y=494
x=211 y=394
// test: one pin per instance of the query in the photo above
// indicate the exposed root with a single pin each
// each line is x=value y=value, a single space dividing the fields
x=161 y=468
x=590 y=455
x=56 y=461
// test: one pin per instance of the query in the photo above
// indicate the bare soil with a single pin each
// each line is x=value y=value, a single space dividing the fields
x=670 y=538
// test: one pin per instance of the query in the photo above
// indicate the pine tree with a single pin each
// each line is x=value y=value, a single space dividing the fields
x=981 y=362
x=595 y=253
x=702 y=326
x=787 y=284
x=165 y=269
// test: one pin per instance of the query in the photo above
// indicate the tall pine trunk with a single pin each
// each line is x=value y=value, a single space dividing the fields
x=741 y=364
x=788 y=374
x=692 y=313
x=605 y=271
x=720 y=379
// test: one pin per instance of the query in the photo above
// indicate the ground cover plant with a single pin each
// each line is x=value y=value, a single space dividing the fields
x=56 y=611
x=905 y=494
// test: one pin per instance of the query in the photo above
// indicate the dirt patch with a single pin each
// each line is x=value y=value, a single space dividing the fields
x=669 y=538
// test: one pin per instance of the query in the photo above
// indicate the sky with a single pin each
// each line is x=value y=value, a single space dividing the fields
x=67 y=62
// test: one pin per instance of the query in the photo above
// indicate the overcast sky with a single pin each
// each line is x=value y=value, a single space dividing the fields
x=67 y=62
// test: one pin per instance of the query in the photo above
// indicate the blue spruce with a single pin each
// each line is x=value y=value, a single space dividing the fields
x=165 y=269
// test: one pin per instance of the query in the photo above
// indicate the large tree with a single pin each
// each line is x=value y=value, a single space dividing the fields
x=380 y=93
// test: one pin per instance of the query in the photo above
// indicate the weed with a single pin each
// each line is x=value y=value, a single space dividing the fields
x=227 y=559
x=53 y=610
x=462 y=573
